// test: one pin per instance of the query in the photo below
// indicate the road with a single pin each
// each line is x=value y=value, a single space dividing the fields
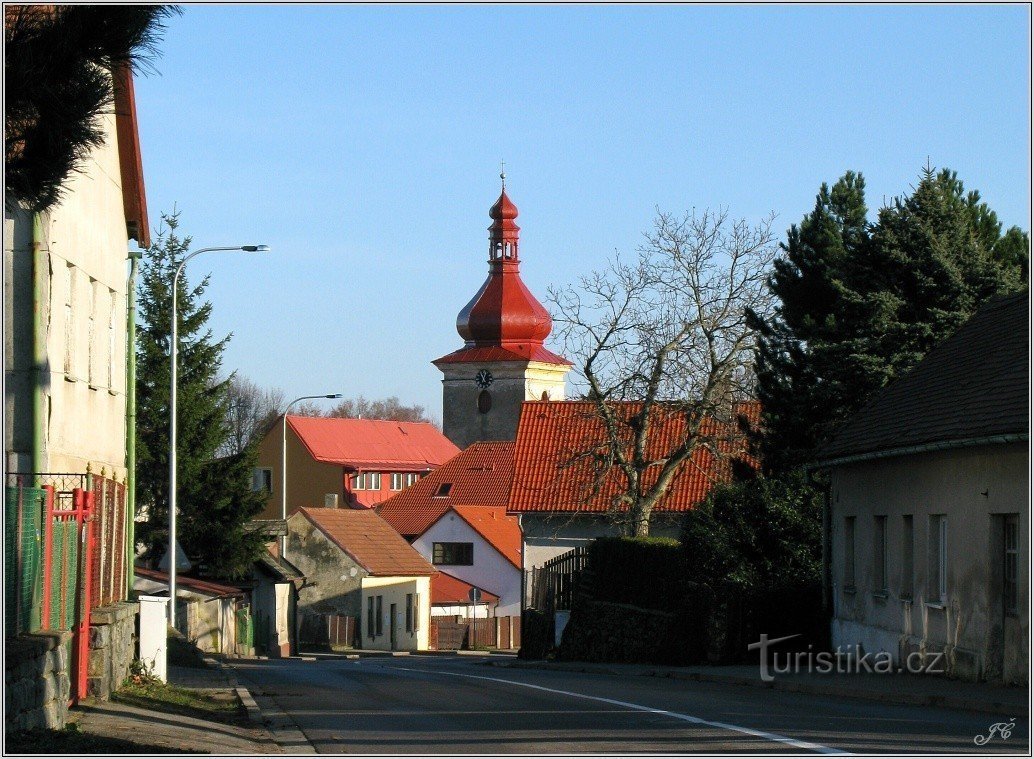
x=457 y=704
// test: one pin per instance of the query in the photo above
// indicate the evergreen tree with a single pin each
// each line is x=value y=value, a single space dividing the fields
x=214 y=493
x=859 y=305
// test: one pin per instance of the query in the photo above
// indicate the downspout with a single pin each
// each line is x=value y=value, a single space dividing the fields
x=134 y=259
x=39 y=348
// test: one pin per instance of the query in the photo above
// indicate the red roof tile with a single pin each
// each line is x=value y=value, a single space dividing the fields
x=501 y=531
x=447 y=590
x=371 y=444
x=370 y=541
x=549 y=476
x=518 y=352
x=479 y=476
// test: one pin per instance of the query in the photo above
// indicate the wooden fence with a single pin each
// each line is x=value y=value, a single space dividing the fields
x=457 y=633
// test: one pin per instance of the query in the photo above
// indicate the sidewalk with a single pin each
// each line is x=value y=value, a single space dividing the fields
x=181 y=734
x=928 y=690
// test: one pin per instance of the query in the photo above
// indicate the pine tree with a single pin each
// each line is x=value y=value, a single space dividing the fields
x=213 y=493
x=860 y=305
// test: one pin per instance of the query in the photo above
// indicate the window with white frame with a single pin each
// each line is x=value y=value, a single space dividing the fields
x=402 y=480
x=937 y=572
x=91 y=335
x=367 y=481
x=70 y=324
x=112 y=340
x=262 y=480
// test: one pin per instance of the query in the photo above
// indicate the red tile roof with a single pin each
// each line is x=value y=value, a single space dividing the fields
x=205 y=587
x=447 y=590
x=373 y=445
x=479 y=476
x=549 y=476
x=481 y=354
x=501 y=531
x=370 y=541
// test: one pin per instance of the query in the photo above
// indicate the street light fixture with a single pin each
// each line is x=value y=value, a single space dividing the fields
x=283 y=464
x=173 y=350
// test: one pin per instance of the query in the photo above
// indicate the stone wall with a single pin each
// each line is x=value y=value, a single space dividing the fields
x=112 y=647
x=36 y=681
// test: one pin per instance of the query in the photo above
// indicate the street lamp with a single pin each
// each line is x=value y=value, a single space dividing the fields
x=173 y=349
x=283 y=464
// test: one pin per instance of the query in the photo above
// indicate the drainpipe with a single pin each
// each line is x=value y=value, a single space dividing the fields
x=134 y=259
x=39 y=347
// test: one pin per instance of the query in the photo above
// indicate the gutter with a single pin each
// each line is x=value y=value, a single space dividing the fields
x=134 y=259
x=1018 y=437
x=39 y=348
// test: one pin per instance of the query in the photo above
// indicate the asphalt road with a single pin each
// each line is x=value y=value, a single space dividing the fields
x=440 y=704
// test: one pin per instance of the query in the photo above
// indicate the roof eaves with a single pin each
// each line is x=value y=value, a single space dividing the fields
x=944 y=445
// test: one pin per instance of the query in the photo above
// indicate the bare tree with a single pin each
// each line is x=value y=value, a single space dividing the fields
x=250 y=412
x=662 y=343
x=390 y=408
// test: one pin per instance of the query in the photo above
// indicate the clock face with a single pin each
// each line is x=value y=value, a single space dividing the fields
x=483 y=378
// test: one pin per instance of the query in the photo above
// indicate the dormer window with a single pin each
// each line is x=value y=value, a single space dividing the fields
x=443 y=490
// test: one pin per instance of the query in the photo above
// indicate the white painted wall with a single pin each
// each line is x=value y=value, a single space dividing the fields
x=973 y=487
x=490 y=570
x=393 y=590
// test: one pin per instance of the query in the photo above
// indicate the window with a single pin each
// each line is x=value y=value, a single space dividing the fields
x=879 y=539
x=443 y=490
x=848 y=553
x=380 y=615
x=70 y=325
x=453 y=553
x=907 y=560
x=261 y=480
x=367 y=481
x=91 y=336
x=112 y=314
x=409 y=612
x=370 y=623
x=402 y=480
x=416 y=612
x=1010 y=586
x=937 y=574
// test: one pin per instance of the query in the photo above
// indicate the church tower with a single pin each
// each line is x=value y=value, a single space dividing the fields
x=503 y=361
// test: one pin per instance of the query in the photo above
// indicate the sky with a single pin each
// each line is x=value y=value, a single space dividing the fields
x=363 y=145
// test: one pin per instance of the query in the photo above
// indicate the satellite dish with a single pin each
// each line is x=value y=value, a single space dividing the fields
x=474 y=595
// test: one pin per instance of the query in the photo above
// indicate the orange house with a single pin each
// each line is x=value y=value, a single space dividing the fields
x=345 y=463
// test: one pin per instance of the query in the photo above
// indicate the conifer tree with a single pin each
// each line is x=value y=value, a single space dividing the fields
x=860 y=304
x=214 y=493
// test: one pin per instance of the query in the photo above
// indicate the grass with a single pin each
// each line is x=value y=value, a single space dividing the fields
x=72 y=741
x=145 y=693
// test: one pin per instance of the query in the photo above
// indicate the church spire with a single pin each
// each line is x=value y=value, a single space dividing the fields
x=503 y=232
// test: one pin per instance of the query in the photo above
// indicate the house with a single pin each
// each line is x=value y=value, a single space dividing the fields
x=65 y=374
x=345 y=463
x=554 y=491
x=480 y=546
x=274 y=586
x=929 y=509
x=357 y=567
x=211 y=615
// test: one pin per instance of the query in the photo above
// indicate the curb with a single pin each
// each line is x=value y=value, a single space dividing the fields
x=811 y=688
x=280 y=728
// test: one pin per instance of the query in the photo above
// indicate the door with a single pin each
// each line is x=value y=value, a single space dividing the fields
x=393 y=627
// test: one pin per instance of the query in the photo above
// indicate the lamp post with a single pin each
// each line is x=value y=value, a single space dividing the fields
x=283 y=463
x=173 y=350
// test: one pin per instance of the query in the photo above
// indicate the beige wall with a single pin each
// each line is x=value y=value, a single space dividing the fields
x=308 y=480
x=85 y=248
x=393 y=590
x=513 y=383
x=973 y=487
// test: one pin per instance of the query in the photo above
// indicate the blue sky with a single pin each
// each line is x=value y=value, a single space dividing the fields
x=363 y=144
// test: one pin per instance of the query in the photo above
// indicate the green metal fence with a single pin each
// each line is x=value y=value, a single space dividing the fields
x=23 y=566
x=245 y=629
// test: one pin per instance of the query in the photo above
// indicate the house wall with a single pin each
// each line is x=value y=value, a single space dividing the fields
x=393 y=590
x=973 y=487
x=308 y=480
x=84 y=247
x=546 y=535
x=333 y=580
x=273 y=603
x=513 y=383
x=490 y=570
x=206 y=621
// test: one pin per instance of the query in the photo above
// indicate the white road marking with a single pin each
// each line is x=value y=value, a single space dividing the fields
x=775 y=737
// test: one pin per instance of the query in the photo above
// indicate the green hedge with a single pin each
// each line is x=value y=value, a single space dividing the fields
x=644 y=572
